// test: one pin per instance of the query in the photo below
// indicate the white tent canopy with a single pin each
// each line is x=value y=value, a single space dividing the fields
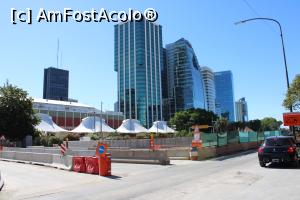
x=132 y=126
x=160 y=127
x=93 y=124
x=47 y=125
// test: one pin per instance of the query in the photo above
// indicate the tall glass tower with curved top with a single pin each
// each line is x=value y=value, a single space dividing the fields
x=224 y=95
x=185 y=83
x=138 y=59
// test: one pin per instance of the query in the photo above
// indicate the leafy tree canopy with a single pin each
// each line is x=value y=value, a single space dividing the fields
x=16 y=113
x=270 y=124
x=221 y=125
x=185 y=119
x=292 y=98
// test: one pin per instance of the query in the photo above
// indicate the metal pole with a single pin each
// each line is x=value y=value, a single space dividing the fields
x=283 y=50
x=101 y=119
x=94 y=121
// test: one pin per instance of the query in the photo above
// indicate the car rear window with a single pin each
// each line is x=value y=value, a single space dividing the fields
x=278 y=142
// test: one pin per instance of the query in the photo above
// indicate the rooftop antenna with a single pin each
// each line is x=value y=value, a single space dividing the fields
x=57 y=52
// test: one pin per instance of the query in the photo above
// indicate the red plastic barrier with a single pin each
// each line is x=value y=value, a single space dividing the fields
x=92 y=165
x=79 y=164
x=105 y=165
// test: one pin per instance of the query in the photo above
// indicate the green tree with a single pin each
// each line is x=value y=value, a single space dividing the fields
x=292 y=98
x=221 y=125
x=270 y=124
x=16 y=113
x=235 y=126
x=185 y=119
x=255 y=125
x=225 y=115
x=180 y=120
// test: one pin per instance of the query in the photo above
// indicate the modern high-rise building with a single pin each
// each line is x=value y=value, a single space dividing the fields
x=241 y=110
x=224 y=94
x=56 y=84
x=164 y=87
x=138 y=62
x=209 y=88
x=185 y=83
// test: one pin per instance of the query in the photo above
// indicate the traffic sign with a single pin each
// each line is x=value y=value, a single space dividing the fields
x=291 y=119
x=101 y=149
x=201 y=126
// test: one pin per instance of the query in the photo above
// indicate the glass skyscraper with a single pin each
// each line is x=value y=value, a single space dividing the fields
x=185 y=83
x=224 y=94
x=138 y=60
x=56 y=84
x=209 y=86
x=241 y=110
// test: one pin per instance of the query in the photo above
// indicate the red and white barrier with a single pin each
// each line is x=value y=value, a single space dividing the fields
x=63 y=149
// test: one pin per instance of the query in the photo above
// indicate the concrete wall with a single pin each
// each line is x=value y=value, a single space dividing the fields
x=51 y=150
x=210 y=152
x=135 y=143
x=178 y=153
x=55 y=160
x=158 y=156
x=27 y=156
x=65 y=162
x=124 y=155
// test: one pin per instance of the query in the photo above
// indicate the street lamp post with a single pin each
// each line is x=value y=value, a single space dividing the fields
x=101 y=120
x=283 y=49
x=94 y=121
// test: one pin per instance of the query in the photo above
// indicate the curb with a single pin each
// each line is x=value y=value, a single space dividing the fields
x=136 y=161
x=36 y=163
x=179 y=158
x=236 y=154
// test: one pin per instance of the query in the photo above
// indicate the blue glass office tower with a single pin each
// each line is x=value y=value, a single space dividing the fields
x=56 y=84
x=185 y=83
x=138 y=60
x=224 y=94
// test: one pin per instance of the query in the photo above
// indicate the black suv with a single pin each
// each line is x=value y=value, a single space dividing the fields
x=279 y=149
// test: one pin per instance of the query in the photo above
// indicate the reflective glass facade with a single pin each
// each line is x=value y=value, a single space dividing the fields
x=209 y=87
x=185 y=83
x=138 y=60
x=241 y=110
x=56 y=84
x=224 y=94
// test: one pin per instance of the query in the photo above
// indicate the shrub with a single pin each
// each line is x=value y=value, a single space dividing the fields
x=95 y=136
x=72 y=137
x=184 y=133
x=54 y=140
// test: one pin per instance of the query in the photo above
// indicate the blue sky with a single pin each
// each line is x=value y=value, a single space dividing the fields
x=252 y=51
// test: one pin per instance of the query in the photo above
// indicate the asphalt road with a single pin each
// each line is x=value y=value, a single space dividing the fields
x=233 y=177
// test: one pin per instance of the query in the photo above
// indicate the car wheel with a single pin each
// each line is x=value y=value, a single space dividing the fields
x=262 y=164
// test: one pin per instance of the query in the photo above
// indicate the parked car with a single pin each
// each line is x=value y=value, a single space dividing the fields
x=1 y=182
x=279 y=149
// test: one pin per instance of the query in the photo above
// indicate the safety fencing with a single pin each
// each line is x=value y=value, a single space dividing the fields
x=221 y=139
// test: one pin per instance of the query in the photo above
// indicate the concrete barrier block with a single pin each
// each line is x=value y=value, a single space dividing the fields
x=207 y=152
x=41 y=157
x=64 y=162
x=180 y=152
x=24 y=156
x=7 y=155
x=122 y=153
x=81 y=152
